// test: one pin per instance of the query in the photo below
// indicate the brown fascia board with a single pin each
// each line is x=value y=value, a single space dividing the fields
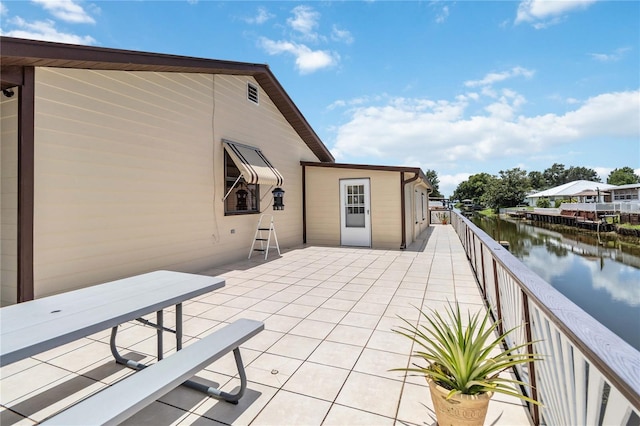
x=415 y=170
x=18 y=53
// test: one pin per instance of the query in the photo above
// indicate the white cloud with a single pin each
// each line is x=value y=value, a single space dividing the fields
x=441 y=12
x=66 y=10
x=307 y=60
x=448 y=182
x=3 y=9
x=262 y=16
x=304 y=21
x=610 y=57
x=603 y=172
x=397 y=128
x=338 y=34
x=341 y=103
x=496 y=77
x=543 y=13
x=45 y=30
x=442 y=15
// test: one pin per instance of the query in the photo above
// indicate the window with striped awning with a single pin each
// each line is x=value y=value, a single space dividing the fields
x=246 y=170
x=254 y=167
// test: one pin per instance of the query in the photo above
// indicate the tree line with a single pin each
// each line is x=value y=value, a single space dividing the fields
x=510 y=187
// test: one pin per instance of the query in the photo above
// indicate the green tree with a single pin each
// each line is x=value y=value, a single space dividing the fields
x=537 y=181
x=623 y=176
x=555 y=175
x=472 y=188
x=508 y=190
x=581 y=173
x=432 y=177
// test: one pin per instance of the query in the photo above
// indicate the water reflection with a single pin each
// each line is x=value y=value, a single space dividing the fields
x=601 y=277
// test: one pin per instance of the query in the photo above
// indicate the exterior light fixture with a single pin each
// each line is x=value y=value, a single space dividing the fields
x=241 y=196
x=241 y=199
x=278 y=199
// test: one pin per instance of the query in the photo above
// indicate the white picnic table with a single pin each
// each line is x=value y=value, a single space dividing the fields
x=36 y=326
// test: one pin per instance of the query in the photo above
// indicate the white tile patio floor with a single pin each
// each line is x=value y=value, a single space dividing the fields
x=323 y=358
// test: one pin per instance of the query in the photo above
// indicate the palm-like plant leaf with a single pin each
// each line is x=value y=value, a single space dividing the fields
x=459 y=356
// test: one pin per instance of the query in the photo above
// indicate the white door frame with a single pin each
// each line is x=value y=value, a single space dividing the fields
x=355 y=212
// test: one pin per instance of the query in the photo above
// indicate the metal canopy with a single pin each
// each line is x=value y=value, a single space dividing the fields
x=254 y=167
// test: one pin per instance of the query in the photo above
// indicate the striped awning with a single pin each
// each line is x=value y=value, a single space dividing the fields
x=253 y=165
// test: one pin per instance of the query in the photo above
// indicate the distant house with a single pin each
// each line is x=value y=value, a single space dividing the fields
x=575 y=190
x=118 y=162
x=626 y=193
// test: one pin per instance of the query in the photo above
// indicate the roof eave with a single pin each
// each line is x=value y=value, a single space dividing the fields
x=406 y=169
x=18 y=53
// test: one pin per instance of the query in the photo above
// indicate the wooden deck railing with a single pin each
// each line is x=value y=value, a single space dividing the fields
x=589 y=375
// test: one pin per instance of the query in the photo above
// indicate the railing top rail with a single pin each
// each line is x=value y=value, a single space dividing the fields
x=615 y=358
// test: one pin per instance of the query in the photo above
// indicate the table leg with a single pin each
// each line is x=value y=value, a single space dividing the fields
x=160 y=322
x=119 y=358
x=179 y=326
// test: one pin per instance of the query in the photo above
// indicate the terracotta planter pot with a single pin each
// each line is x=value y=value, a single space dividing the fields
x=459 y=410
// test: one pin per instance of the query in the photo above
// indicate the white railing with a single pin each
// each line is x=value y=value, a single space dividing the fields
x=589 y=375
x=547 y=210
x=617 y=207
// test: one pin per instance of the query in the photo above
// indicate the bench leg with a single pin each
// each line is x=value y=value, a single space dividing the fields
x=233 y=398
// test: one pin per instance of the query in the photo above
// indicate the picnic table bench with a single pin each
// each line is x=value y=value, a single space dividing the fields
x=36 y=326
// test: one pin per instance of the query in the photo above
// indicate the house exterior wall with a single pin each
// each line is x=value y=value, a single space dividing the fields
x=9 y=199
x=129 y=173
x=323 y=205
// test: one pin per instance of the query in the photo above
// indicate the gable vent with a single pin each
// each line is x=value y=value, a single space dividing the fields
x=252 y=92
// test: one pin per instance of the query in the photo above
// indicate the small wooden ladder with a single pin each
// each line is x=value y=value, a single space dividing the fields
x=265 y=243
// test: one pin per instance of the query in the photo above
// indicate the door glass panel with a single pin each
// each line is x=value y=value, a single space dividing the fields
x=354 y=207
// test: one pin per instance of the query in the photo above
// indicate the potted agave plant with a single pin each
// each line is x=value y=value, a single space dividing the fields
x=464 y=362
x=444 y=218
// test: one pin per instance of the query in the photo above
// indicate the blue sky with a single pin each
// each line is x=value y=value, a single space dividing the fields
x=460 y=87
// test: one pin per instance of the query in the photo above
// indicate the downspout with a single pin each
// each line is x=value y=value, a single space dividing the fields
x=26 y=160
x=403 y=239
x=304 y=204
x=403 y=210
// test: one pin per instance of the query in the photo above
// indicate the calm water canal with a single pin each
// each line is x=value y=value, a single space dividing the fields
x=601 y=277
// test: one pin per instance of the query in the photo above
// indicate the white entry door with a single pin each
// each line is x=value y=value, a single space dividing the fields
x=355 y=217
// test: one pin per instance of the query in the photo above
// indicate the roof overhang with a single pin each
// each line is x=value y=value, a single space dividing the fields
x=16 y=54
x=416 y=171
x=254 y=167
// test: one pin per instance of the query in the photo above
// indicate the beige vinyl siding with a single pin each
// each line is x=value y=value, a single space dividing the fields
x=9 y=199
x=323 y=205
x=386 y=210
x=261 y=126
x=129 y=173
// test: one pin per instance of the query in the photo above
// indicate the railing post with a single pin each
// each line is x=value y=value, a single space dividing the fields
x=498 y=306
x=484 y=278
x=473 y=248
x=533 y=408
